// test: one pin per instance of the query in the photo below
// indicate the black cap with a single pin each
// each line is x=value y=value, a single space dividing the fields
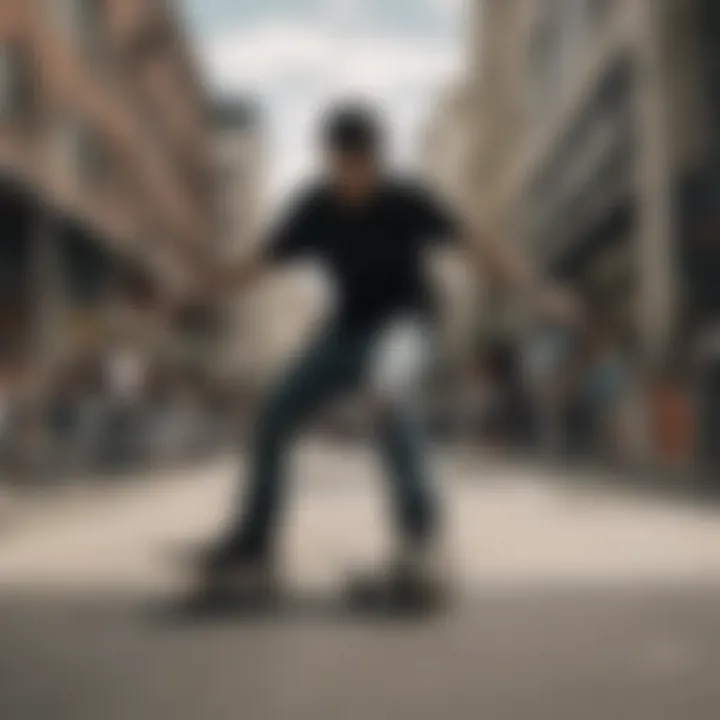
x=353 y=127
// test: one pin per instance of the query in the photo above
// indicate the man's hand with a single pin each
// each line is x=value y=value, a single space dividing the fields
x=512 y=269
x=201 y=290
x=209 y=285
x=215 y=282
x=226 y=279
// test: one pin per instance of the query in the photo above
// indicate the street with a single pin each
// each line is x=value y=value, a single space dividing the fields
x=576 y=602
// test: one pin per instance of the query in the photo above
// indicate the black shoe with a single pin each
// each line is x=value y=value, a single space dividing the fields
x=416 y=582
x=232 y=550
x=239 y=570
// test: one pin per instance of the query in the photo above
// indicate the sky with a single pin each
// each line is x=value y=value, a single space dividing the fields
x=293 y=56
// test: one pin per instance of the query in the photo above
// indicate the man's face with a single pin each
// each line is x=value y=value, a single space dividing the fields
x=354 y=173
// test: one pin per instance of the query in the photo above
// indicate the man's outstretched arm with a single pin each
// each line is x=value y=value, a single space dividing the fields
x=239 y=275
x=511 y=268
x=216 y=282
x=288 y=237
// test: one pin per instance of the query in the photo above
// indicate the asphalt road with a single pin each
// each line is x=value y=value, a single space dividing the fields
x=573 y=604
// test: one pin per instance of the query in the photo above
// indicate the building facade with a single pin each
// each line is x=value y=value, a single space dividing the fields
x=105 y=172
x=240 y=194
x=447 y=154
x=264 y=325
x=596 y=124
x=495 y=84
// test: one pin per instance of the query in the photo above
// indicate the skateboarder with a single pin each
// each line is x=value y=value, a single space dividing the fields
x=370 y=229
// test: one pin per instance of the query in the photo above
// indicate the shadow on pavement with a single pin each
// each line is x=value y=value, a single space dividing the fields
x=294 y=606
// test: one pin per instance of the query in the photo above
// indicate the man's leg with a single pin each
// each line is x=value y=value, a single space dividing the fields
x=330 y=366
x=398 y=362
x=418 y=576
x=401 y=440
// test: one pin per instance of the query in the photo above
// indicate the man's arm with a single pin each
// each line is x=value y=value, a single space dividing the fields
x=216 y=283
x=238 y=276
x=513 y=270
x=504 y=263
x=288 y=238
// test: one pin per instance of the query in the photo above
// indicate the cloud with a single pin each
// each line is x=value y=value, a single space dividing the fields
x=296 y=67
x=449 y=6
x=255 y=57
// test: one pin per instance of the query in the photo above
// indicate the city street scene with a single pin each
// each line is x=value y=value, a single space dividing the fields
x=359 y=359
x=572 y=603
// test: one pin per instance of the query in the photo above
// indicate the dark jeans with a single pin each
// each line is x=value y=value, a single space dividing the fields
x=331 y=366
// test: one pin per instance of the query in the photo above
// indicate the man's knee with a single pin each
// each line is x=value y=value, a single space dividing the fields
x=384 y=406
x=398 y=364
x=390 y=413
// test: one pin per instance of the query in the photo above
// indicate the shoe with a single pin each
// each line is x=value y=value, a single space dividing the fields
x=238 y=570
x=417 y=580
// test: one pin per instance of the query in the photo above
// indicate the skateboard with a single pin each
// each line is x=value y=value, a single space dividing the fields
x=209 y=592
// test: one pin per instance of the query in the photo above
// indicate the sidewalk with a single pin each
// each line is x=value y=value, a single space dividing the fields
x=29 y=503
x=689 y=486
x=564 y=597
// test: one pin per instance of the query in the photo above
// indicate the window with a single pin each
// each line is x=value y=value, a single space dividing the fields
x=15 y=83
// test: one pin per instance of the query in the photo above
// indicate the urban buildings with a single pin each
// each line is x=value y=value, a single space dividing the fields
x=597 y=154
x=105 y=174
x=447 y=142
x=240 y=186
x=495 y=84
x=259 y=327
x=597 y=150
x=107 y=209
x=447 y=147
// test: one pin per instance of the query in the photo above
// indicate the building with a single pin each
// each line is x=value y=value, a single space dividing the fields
x=597 y=148
x=496 y=86
x=240 y=193
x=105 y=174
x=447 y=139
x=446 y=154
x=262 y=326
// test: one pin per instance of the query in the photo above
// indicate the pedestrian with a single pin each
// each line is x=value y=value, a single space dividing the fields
x=370 y=228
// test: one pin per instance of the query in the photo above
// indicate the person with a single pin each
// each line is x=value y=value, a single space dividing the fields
x=370 y=227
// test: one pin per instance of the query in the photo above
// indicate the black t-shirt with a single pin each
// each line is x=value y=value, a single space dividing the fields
x=373 y=251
